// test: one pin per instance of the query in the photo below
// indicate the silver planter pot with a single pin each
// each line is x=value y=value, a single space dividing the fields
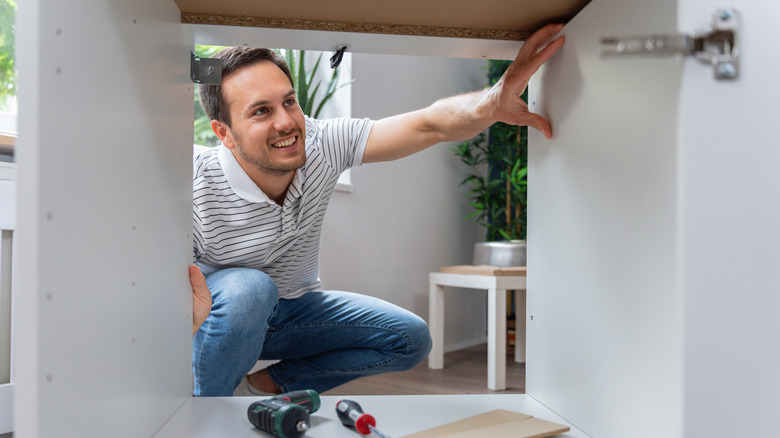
x=502 y=253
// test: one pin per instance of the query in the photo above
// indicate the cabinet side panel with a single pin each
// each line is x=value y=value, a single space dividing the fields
x=605 y=343
x=104 y=155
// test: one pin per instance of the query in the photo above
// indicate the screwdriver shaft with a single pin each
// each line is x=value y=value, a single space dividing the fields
x=377 y=432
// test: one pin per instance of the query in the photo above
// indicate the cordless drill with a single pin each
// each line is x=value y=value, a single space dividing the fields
x=285 y=415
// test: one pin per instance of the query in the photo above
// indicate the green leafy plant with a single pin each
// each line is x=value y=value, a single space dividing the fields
x=313 y=96
x=307 y=87
x=203 y=134
x=497 y=185
x=7 y=68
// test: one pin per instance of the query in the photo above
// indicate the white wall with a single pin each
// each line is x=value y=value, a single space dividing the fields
x=406 y=218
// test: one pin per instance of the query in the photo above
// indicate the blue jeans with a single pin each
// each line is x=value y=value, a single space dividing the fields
x=323 y=338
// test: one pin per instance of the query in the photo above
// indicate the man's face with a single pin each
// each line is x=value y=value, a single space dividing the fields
x=267 y=125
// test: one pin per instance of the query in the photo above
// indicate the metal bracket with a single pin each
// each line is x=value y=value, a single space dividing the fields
x=205 y=70
x=717 y=46
x=335 y=60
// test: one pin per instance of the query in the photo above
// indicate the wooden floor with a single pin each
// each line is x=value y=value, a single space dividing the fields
x=465 y=372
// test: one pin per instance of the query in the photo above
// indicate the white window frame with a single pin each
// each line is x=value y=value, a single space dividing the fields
x=8 y=131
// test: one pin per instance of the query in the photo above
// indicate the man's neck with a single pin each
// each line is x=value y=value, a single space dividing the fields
x=273 y=184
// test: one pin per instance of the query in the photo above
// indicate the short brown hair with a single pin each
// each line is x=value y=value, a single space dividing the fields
x=232 y=60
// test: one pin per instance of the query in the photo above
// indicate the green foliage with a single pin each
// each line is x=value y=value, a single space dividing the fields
x=7 y=69
x=499 y=192
x=311 y=98
x=306 y=89
x=203 y=134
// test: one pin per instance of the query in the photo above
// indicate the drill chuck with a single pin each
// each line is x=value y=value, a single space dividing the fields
x=286 y=415
x=280 y=419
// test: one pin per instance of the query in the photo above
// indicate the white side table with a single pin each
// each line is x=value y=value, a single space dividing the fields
x=496 y=281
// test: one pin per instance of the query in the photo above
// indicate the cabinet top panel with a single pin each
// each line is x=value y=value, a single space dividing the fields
x=483 y=19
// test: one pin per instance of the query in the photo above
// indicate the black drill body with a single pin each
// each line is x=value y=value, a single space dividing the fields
x=285 y=415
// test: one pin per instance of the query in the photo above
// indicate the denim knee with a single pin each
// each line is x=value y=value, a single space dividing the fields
x=420 y=342
x=244 y=297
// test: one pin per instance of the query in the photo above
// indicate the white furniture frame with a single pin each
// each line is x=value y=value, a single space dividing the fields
x=496 y=287
x=7 y=230
x=629 y=277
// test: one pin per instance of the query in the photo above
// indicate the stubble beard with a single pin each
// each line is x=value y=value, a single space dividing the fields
x=265 y=165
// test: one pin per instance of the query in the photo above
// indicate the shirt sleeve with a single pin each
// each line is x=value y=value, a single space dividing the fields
x=344 y=140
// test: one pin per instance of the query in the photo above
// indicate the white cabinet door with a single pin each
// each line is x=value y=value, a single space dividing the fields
x=729 y=190
x=652 y=230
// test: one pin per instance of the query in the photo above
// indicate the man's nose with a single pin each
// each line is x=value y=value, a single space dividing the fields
x=284 y=121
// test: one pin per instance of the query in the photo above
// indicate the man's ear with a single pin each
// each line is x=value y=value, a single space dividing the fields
x=224 y=133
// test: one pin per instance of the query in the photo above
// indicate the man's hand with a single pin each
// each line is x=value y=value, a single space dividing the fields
x=462 y=117
x=201 y=298
x=510 y=107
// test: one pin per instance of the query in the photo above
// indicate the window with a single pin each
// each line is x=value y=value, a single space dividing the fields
x=8 y=109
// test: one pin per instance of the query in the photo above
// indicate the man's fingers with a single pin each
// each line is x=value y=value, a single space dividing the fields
x=545 y=34
x=535 y=121
x=198 y=282
x=540 y=124
x=536 y=41
x=541 y=57
x=201 y=298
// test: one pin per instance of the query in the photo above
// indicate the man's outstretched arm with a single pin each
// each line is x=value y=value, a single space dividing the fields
x=464 y=116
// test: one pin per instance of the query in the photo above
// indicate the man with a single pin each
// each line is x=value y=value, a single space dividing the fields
x=259 y=201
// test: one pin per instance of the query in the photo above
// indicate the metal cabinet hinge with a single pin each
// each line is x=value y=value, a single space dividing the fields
x=205 y=70
x=717 y=46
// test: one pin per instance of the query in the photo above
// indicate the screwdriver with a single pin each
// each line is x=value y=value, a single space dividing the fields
x=351 y=415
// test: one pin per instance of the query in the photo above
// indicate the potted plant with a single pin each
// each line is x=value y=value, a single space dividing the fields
x=497 y=186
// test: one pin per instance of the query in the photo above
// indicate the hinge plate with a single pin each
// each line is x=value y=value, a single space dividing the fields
x=205 y=70
x=717 y=46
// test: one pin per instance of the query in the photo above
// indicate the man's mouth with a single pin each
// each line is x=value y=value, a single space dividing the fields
x=284 y=143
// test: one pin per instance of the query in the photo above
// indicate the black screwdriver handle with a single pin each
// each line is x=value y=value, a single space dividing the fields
x=351 y=415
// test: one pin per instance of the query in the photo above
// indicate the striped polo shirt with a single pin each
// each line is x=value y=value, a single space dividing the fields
x=237 y=225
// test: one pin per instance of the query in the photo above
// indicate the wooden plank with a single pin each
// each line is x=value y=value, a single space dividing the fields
x=485 y=270
x=7 y=139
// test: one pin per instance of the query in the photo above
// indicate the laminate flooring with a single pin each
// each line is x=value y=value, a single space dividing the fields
x=465 y=372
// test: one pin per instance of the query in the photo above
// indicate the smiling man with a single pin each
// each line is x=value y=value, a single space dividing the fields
x=259 y=203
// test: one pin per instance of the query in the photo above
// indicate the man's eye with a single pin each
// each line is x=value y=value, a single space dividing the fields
x=289 y=102
x=261 y=111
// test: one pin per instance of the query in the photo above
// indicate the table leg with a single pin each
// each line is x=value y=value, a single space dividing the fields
x=520 y=319
x=497 y=339
x=436 y=326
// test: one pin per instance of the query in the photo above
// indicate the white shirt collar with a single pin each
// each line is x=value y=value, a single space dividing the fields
x=240 y=182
